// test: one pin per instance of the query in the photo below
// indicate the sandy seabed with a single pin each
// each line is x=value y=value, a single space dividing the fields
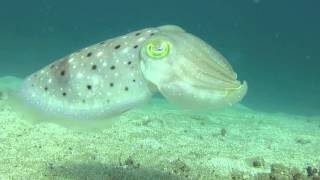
x=160 y=141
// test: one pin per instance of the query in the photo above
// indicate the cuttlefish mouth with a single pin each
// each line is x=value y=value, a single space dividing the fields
x=188 y=71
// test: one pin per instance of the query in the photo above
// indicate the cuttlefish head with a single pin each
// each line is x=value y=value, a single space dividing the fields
x=189 y=72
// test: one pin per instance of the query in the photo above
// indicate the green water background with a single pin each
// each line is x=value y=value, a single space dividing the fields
x=272 y=44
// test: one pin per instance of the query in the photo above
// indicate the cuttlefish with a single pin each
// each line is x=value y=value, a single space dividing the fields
x=118 y=74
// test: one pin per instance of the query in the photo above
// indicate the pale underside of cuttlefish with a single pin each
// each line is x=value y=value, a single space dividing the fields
x=118 y=74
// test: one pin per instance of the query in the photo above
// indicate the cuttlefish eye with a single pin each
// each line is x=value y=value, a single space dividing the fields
x=158 y=48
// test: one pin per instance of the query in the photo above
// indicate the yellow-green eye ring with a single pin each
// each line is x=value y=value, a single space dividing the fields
x=158 y=48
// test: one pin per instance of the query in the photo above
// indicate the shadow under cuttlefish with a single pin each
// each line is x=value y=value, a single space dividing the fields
x=95 y=170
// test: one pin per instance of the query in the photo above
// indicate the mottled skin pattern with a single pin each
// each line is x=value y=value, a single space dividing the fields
x=116 y=75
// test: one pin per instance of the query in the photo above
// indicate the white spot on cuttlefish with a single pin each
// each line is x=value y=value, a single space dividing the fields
x=99 y=54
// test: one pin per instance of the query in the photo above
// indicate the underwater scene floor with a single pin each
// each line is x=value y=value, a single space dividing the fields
x=160 y=141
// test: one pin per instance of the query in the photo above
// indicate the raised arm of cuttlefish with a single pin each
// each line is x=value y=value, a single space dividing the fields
x=120 y=73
